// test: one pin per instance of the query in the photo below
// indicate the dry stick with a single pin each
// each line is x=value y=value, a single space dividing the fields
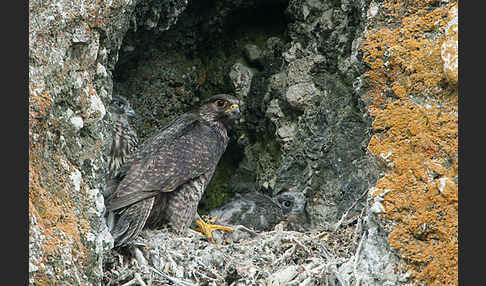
x=172 y=279
x=293 y=239
x=360 y=245
x=123 y=274
x=356 y=258
x=138 y=255
x=135 y=280
x=359 y=226
x=338 y=276
x=242 y=227
x=131 y=282
x=288 y=253
x=150 y=278
x=205 y=276
x=338 y=224
x=139 y=279
x=193 y=273
x=215 y=273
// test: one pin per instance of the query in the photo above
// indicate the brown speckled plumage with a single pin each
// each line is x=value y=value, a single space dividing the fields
x=125 y=139
x=164 y=180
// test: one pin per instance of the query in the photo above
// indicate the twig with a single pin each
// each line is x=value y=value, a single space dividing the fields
x=356 y=258
x=122 y=276
x=338 y=276
x=242 y=227
x=172 y=279
x=338 y=224
x=206 y=277
x=150 y=278
x=138 y=255
x=139 y=279
x=131 y=282
x=288 y=253
x=359 y=226
x=300 y=244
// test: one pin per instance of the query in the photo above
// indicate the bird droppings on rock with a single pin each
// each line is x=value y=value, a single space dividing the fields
x=77 y=122
x=96 y=107
x=75 y=180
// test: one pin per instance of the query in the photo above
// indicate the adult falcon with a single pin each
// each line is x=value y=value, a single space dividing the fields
x=162 y=183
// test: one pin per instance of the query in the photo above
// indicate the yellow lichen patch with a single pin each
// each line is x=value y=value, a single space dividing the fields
x=53 y=206
x=51 y=199
x=423 y=196
x=416 y=136
x=404 y=60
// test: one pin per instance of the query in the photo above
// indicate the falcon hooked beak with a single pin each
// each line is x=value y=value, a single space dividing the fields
x=233 y=111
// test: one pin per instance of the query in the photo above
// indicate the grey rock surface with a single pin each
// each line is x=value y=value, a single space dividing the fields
x=253 y=54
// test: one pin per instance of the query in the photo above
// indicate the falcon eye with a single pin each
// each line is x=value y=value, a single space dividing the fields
x=220 y=103
x=286 y=204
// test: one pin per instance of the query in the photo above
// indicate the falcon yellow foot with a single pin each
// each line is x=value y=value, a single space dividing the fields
x=207 y=228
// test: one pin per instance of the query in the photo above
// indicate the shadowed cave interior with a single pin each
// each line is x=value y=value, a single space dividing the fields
x=163 y=74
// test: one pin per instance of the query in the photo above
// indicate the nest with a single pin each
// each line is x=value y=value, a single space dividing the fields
x=277 y=257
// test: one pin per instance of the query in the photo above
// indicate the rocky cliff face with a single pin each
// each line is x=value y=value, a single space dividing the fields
x=73 y=49
x=351 y=103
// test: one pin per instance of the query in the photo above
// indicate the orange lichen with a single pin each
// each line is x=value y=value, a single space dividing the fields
x=416 y=136
x=51 y=199
x=56 y=210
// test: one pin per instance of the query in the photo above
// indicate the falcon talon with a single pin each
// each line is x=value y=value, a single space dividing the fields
x=208 y=228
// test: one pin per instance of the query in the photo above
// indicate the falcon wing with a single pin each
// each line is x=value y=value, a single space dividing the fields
x=184 y=150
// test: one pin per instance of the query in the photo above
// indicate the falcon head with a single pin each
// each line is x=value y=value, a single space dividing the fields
x=293 y=205
x=120 y=106
x=221 y=107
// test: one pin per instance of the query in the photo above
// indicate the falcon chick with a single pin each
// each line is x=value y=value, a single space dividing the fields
x=162 y=183
x=125 y=139
x=261 y=212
